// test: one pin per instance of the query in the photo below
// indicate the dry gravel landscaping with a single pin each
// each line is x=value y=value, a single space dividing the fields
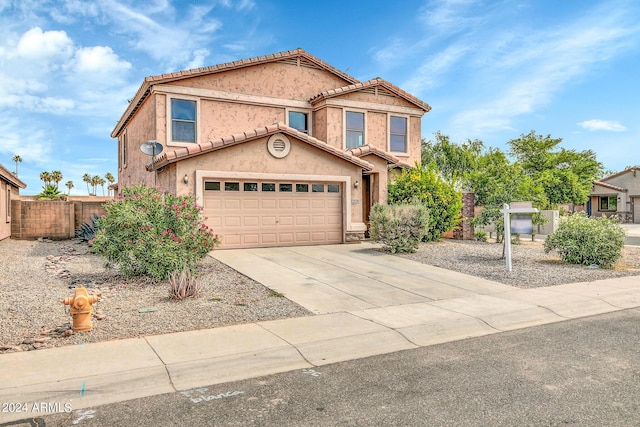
x=35 y=276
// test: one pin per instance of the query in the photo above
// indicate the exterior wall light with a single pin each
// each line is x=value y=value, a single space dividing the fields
x=356 y=184
x=186 y=179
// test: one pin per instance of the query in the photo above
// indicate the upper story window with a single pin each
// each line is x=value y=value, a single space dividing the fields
x=299 y=121
x=398 y=134
x=122 y=147
x=354 y=129
x=183 y=120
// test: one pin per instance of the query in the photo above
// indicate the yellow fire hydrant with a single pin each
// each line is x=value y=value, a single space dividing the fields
x=81 y=309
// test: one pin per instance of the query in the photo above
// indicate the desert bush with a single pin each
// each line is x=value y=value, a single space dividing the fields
x=400 y=228
x=424 y=186
x=183 y=285
x=587 y=241
x=147 y=233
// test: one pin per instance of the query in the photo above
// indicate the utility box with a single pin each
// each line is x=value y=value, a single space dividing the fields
x=553 y=220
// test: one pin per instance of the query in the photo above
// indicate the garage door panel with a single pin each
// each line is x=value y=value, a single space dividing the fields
x=274 y=218
x=232 y=221
x=268 y=203
x=302 y=220
x=251 y=239
x=232 y=203
x=250 y=204
x=303 y=237
x=268 y=221
x=303 y=204
x=251 y=221
x=285 y=204
x=285 y=220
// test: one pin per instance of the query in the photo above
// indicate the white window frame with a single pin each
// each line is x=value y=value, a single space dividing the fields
x=344 y=127
x=407 y=135
x=8 y=210
x=123 y=150
x=170 y=141
x=300 y=110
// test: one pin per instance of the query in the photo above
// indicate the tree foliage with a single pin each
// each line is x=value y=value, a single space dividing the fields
x=565 y=175
x=424 y=186
x=452 y=161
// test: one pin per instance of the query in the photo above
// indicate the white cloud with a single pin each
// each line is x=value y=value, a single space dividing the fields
x=99 y=59
x=606 y=125
x=44 y=45
x=199 y=57
x=31 y=143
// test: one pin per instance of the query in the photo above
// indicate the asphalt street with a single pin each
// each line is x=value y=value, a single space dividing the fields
x=583 y=372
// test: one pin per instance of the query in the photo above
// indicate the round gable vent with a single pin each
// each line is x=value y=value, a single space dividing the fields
x=278 y=145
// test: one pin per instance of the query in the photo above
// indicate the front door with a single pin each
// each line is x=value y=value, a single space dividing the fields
x=366 y=201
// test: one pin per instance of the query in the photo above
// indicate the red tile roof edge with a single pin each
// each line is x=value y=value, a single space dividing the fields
x=617 y=174
x=181 y=153
x=195 y=72
x=610 y=186
x=9 y=177
x=364 y=150
x=371 y=83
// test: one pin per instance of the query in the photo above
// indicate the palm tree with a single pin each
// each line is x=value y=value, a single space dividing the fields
x=69 y=185
x=45 y=177
x=101 y=182
x=87 y=178
x=56 y=176
x=111 y=180
x=17 y=159
x=95 y=181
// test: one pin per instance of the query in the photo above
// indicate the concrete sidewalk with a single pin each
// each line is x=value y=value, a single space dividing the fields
x=367 y=303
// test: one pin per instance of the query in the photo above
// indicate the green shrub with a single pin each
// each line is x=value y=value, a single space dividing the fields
x=587 y=241
x=444 y=203
x=480 y=235
x=400 y=228
x=152 y=234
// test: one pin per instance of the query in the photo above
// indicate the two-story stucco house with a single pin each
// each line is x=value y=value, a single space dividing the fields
x=617 y=194
x=279 y=150
x=10 y=187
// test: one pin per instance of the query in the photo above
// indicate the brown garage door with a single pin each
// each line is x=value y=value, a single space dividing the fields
x=251 y=213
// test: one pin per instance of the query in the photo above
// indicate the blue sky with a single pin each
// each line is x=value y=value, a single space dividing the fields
x=491 y=70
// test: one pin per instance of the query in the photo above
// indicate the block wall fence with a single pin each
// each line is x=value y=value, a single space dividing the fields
x=56 y=220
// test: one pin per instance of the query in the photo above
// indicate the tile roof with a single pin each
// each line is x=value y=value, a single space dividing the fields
x=617 y=174
x=365 y=150
x=173 y=156
x=148 y=82
x=377 y=82
x=9 y=177
x=609 y=186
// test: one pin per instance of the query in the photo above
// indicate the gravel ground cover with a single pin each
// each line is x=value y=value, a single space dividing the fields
x=36 y=276
x=531 y=267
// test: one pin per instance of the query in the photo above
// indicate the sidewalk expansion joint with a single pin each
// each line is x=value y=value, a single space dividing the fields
x=289 y=343
x=166 y=368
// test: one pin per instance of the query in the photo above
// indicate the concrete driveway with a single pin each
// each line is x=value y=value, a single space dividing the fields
x=633 y=234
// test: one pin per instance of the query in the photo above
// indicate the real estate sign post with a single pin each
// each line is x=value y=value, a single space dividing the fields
x=521 y=224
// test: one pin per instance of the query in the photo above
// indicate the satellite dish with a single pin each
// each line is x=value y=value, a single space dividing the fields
x=151 y=148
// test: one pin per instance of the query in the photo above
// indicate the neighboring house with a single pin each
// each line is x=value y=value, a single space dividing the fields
x=10 y=187
x=617 y=194
x=280 y=150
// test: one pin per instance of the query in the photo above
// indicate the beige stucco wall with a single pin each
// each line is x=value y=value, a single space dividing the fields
x=5 y=221
x=220 y=118
x=368 y=96
x=139 y=130
x=376 y=132
x=253 y=157
x=278 y=80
